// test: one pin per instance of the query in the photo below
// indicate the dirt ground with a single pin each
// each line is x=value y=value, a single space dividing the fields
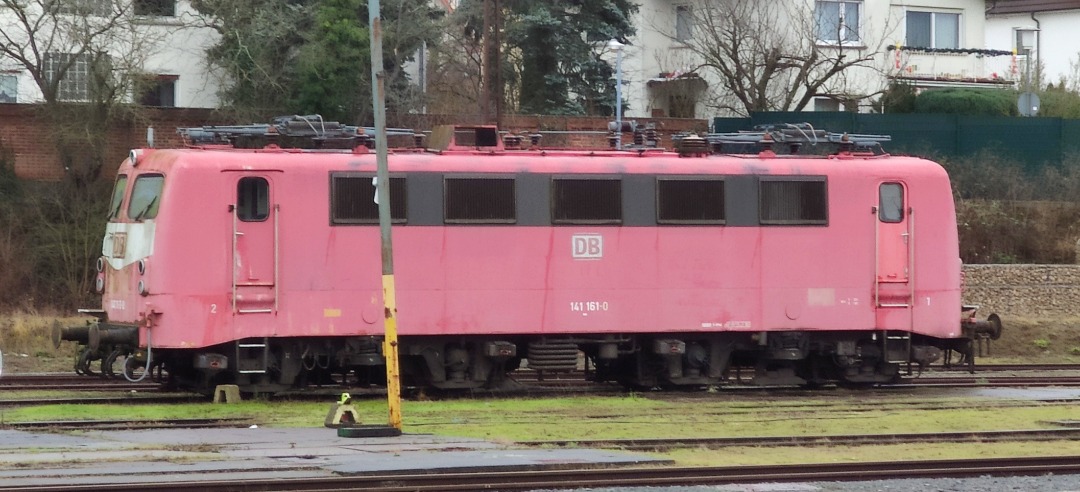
x=1037 y=341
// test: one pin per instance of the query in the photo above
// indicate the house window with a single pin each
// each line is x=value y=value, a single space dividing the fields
x=99 y=8
x=933 y=29
x=78 y=74
x=786 y=201
x=352 y=199
x=586 y=201
x=9 y=88
x=161 y=92
x=155 y=8
x=826 y=104
x=837 y=22
x=684 y=23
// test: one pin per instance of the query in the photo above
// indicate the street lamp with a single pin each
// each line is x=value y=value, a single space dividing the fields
x=617 y=47
x=1026 y=42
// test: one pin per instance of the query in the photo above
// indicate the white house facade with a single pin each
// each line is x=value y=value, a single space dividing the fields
x=928 y=43
x=162 y=40
x=1043 y=32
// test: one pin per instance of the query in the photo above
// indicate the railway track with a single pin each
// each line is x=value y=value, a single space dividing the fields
x=658 y=445
x=71 y=382
x=608 y=477
x=127 y=424
x=530 y=382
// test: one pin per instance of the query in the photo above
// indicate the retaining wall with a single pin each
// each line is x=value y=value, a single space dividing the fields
x=1040 y=291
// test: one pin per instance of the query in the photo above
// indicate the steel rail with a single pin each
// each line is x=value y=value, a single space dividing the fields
x=609 y=477
x=123 y=424
x=815 y=440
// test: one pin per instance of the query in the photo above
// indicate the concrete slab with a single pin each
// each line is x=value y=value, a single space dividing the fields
x=153 y=456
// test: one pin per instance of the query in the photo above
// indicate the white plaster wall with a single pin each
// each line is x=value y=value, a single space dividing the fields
x=182 y=52
x=882 y=24
x=1057 y=44
x=177 y=48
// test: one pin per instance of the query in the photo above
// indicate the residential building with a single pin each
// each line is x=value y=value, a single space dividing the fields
x=1044 y=35
x=164 y=40
x=928 y=43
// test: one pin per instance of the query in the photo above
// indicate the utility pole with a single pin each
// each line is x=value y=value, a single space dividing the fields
x=390 y=341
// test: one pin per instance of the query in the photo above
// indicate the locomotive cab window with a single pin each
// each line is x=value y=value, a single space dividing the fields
x=689 y=201
x=586 y=201
x=117 y=196
x=352 y=199
x=891 y=202
x=252 y=199
x=145 y=197
x=480 y=200
x=793 y=201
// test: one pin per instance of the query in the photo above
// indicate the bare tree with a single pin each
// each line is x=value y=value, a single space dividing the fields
x=85 y=59
x=777 y=56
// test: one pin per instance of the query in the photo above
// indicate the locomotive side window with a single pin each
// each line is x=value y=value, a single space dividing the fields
x=689 y=201
x=479 y=200
x=117 y=196
x=586 y=201
x=793 y=201
x=352 y=199
x=891 y=202
x=145 y=197
x=252 y=199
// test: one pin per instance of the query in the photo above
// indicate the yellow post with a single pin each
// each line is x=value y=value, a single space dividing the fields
x=390 y=351
x=378 y=96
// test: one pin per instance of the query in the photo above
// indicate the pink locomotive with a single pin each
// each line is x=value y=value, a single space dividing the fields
x=260 y=267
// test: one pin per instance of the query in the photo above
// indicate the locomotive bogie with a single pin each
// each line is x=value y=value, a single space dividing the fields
x=262 y=269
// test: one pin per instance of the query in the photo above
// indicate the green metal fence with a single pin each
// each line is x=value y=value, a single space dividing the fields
x=1035 y=142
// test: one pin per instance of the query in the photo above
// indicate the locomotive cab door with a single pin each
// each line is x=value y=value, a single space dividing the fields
x=254 y=246
x=894 y=282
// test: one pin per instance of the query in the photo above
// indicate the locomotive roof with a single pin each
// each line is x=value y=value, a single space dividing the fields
x=569 y=162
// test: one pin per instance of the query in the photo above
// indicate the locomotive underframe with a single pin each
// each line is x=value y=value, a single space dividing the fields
x=669 y=360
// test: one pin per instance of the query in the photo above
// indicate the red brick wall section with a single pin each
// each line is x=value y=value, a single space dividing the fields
x=23 y=134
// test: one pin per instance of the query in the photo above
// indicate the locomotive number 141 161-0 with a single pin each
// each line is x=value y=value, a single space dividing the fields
x=588 y=306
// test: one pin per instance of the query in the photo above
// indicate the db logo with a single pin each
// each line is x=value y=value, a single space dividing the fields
x=587 y=246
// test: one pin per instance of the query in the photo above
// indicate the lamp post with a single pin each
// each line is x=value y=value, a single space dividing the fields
x=617 y=47
x=1028 y=103
x=1025 y=42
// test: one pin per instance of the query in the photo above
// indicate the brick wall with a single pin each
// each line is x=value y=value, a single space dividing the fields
x=26 y=135
x=1024 y=290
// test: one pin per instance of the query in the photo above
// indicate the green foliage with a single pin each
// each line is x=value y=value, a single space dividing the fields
x=556 y=49
x=1042 y=343
x=50 y=235
x=1059 y=103
x=313 y=56
x=1007 y=215
x=256 y=50
x=898 y=98
x=986 y=102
